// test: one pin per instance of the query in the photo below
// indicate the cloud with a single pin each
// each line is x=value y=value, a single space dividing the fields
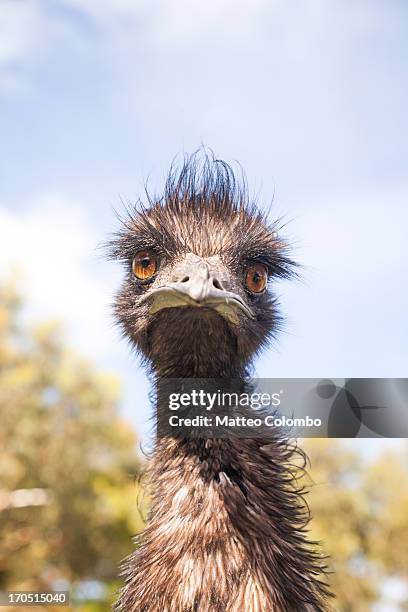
x=52 y=245
x=177 y=20
x=21 y=35
x=106 y=9
x=19 y=32
x=183 y=21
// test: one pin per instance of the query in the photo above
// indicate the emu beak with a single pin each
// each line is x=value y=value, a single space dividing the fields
x=197 y=287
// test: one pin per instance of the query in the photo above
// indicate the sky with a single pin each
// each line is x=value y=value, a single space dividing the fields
x=98 y=96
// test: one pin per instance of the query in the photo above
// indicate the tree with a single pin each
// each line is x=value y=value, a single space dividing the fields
x=70 y=498
x=360 y=514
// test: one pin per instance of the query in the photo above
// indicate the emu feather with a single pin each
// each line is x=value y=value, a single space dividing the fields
x=227 y=526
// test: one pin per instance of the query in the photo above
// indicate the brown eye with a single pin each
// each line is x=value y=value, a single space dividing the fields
x=144 y=265
x=256 y=278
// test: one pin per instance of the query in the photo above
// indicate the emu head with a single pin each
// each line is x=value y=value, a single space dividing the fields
x=195 y=299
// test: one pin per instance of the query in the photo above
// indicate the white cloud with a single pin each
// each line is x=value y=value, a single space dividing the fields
x=19 y=29
x=177 y=19
x=23 y=32
x=106 y=9
x=52 y=244
x=183 y=20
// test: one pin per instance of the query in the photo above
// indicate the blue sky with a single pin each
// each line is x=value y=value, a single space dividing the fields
x=96 y=96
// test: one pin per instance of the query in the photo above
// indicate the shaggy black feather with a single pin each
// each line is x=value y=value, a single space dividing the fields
x=227 y=526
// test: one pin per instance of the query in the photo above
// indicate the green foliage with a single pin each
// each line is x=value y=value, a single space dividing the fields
x=360 y=514
x=62 y=439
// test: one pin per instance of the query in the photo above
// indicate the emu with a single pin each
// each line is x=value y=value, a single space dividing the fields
x=226 y=530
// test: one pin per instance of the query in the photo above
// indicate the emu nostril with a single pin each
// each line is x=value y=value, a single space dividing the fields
x=185 y=279
x=217 y=284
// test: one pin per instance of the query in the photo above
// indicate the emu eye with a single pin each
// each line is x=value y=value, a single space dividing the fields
x=144 y=265
x=256 y=278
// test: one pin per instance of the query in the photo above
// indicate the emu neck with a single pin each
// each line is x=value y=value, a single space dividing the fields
x=189 y=348
x=226 y=525
x=225 y=371
x=225 y=532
